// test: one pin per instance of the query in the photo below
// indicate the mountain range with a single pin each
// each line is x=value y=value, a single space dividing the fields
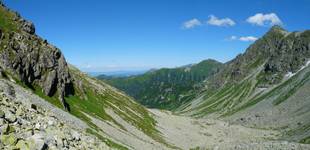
x=166 y=88
x=259 y=100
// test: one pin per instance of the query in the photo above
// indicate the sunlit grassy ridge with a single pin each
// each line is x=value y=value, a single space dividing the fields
x=94 y=102
x=166 y=88
x=94 y=97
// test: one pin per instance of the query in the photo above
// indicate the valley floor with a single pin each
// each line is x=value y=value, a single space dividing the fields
x=189 y=133
x=176 y=132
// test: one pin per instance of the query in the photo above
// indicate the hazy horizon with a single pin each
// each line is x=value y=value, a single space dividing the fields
x=109 y=36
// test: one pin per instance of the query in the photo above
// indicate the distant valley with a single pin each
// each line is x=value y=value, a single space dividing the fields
x=258 y=100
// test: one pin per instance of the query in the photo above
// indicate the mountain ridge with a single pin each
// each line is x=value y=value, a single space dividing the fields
x=167 y=87
x=261 y=84
x=262 y=105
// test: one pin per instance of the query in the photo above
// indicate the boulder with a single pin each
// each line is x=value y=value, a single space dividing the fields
x=8 y=139
x=1 y=122
x=22 y=145
x=76 y=136
x=10 y=117
x=28 y=27
x=33 y=106
x=2 y=114
x=37 y=141
x=4 y=129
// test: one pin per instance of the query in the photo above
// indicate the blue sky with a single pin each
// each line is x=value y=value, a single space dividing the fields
x=112 y=35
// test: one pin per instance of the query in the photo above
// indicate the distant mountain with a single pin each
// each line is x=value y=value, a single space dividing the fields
x=113 y=74
x=266 y=87
x=166 y=88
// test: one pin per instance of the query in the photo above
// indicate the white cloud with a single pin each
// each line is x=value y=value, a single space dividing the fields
x=191 y=23
x=261 y=19
x=213 y=20
x=243 y=38
x=233 y=38
x=248 y=38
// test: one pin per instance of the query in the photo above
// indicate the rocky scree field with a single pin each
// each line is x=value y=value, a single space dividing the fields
x=26 y=126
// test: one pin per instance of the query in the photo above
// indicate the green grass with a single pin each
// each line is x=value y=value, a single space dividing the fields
x=293 y=87
x=226 y=99
x=107 y=141
x=6 y=20
x=305 y=140
x=150 y=89
x=299 y=131
x=280 y=93
x=90 y=106
x=39 y=92
x=88 y=100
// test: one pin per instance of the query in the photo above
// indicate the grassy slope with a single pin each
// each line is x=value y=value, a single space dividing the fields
x=166 y=88
x=233 y=98
x=6 y=20
x=94 y=101
x=240 y=97
x=94 y=96
x=237 y=85
x=243 y=94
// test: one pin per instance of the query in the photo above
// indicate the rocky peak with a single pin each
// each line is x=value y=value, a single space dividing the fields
x=30 y=59
x=277 y=28
x=278 y=52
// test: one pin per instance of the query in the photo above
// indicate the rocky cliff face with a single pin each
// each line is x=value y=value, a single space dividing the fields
x=289 y=52
x=31 y=59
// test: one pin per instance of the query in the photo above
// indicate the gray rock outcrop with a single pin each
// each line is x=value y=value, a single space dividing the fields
x=32 y=60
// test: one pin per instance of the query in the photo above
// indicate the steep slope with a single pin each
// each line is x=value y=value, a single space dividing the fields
x=166 y=88
x=113 y=113
x=30 y=59
x=264 y=87
x=25 y=125
x=30 y=62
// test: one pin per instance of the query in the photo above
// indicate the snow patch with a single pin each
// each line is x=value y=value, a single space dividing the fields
x=306 y=65
x=291 y=74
